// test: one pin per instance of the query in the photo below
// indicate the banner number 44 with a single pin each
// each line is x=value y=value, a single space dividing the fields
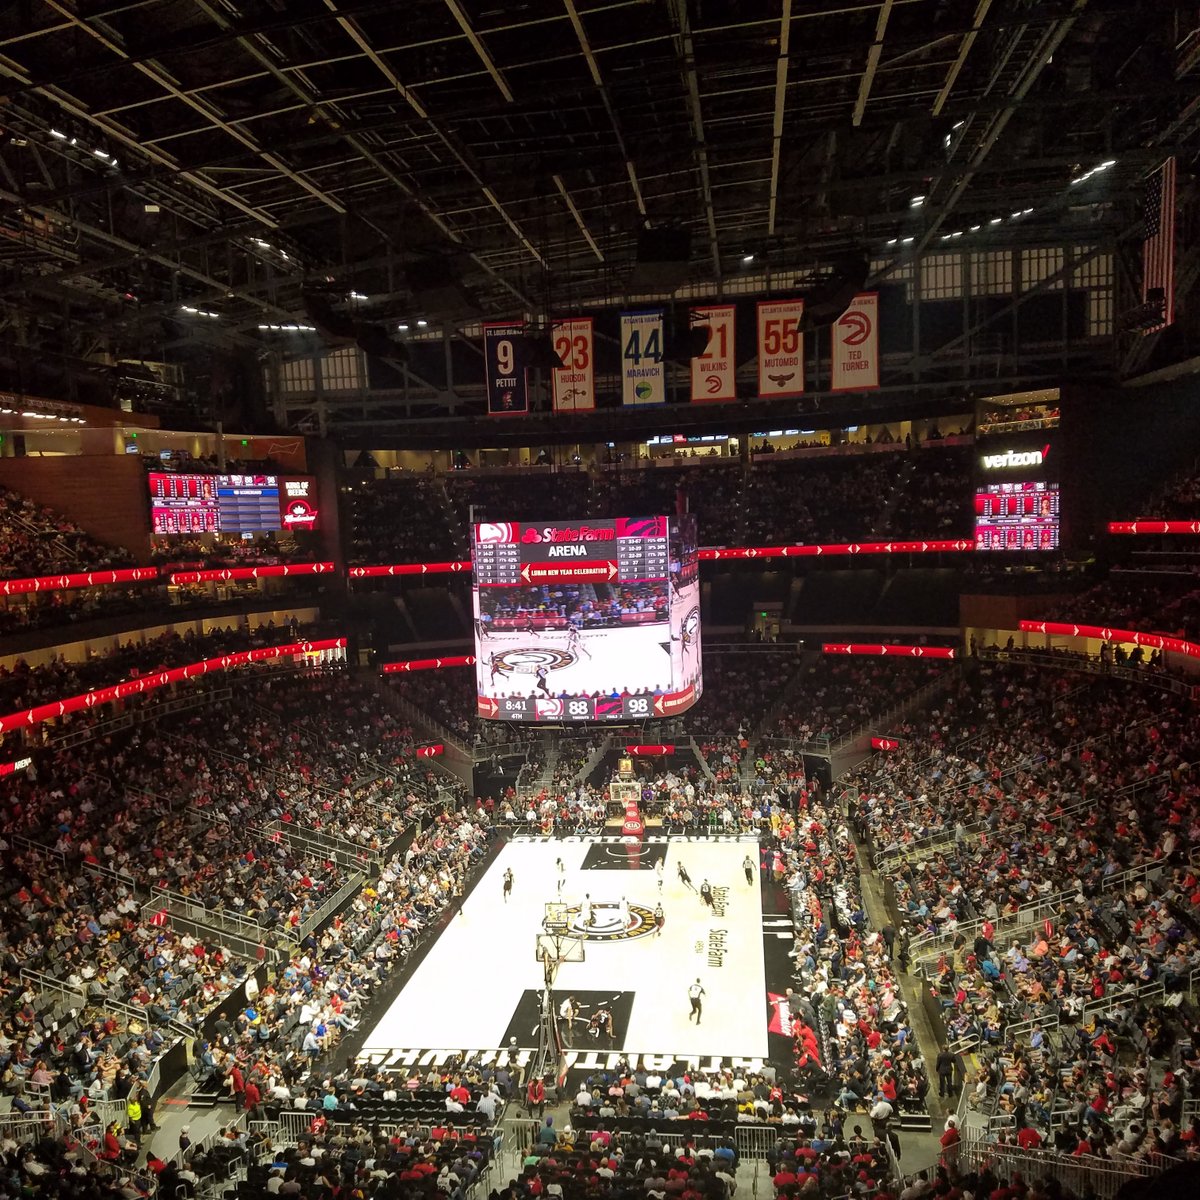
x=636 y=351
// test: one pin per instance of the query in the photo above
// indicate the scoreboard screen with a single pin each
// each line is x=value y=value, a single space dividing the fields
x=193 y=504
x=1017 y=498
x=580 y=621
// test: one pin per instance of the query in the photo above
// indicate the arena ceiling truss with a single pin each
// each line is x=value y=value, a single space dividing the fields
x=178 y=174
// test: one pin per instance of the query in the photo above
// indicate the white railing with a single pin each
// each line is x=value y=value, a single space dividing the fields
x=1101 y=1176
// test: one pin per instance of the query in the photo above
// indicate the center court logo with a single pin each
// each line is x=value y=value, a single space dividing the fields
x=607 y=925
x=527 y=661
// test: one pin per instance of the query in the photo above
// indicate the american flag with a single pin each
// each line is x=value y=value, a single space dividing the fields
x=1158 y=250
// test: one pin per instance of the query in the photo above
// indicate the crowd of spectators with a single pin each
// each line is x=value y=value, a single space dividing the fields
x=34 y=540
x=835 y=696
x=449 y=697
x=714 y=492
x=587 y=606
x=403 y=518
x=1037 y=832
x=1178 y=499
x=205 y=554
x=528 y=496
x=936 y=501
x=1149 y=601
x=92 y=835
x=23 y=686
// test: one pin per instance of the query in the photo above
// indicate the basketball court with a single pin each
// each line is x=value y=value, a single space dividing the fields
x=634 y=657
x=479 y=985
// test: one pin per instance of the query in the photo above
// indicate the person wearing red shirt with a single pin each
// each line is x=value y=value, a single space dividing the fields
x=251 y=1096
x=1028 y=1138
x=949 y=1143
x=237 y=1085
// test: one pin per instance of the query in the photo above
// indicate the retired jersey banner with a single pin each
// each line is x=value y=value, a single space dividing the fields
x=714 y=372
x=780 y=349
x=575 y=381
x=856 y=345
x=643 y=371
x=504 y=366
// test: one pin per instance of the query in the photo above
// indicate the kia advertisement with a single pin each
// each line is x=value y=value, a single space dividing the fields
x=581 y=621
x=1017 y=498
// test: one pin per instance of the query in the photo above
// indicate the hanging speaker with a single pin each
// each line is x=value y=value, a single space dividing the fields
x=663 y=260
x=686 y=340
x=825 y=301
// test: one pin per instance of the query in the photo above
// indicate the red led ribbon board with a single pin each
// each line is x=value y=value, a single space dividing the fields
x=428 y=664
x=650 y=751
x=837 y=548
x=867 y=648
x=1138 y=528
x=884 y=743
x=1106 y=633
x=62 y=583
x=434 y=751
x=149 y=683
x=384 y=569
x=229 y=574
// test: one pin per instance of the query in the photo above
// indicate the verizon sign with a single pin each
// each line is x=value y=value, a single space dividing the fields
x=1015 y=458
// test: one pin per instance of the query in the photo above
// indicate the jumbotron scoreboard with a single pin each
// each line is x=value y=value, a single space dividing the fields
x=586 y=620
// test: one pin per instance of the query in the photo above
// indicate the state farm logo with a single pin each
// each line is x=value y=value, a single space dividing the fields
x=581 y=533
x=1016 y=458
x=857 y=326
x=497 y=533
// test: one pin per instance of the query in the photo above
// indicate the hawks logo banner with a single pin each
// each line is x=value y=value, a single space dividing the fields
x=504 y=365
x=714 y=372
x=643 y=370
x=575 y=381
x=856 y=345
x=780 y=348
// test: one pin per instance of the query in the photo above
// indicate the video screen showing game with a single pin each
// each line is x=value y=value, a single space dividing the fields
x=586 y=621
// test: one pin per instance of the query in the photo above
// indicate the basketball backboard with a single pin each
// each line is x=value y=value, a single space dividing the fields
x=557 y=948
x=623 y=793
x=555 y=918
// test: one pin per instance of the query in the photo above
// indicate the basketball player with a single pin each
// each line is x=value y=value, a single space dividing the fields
x=601 y=1023
x=695 y=992
x=562 y=874
x=568 y=1011
x=748 y=867
x=706 y=893
x=623 y=910
x=497 y=667
x=685 y=878
x=660 y=919
x=575 y=643
x=508 y=882
x=542 y=674
x=658 y=870
x=586 y=916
